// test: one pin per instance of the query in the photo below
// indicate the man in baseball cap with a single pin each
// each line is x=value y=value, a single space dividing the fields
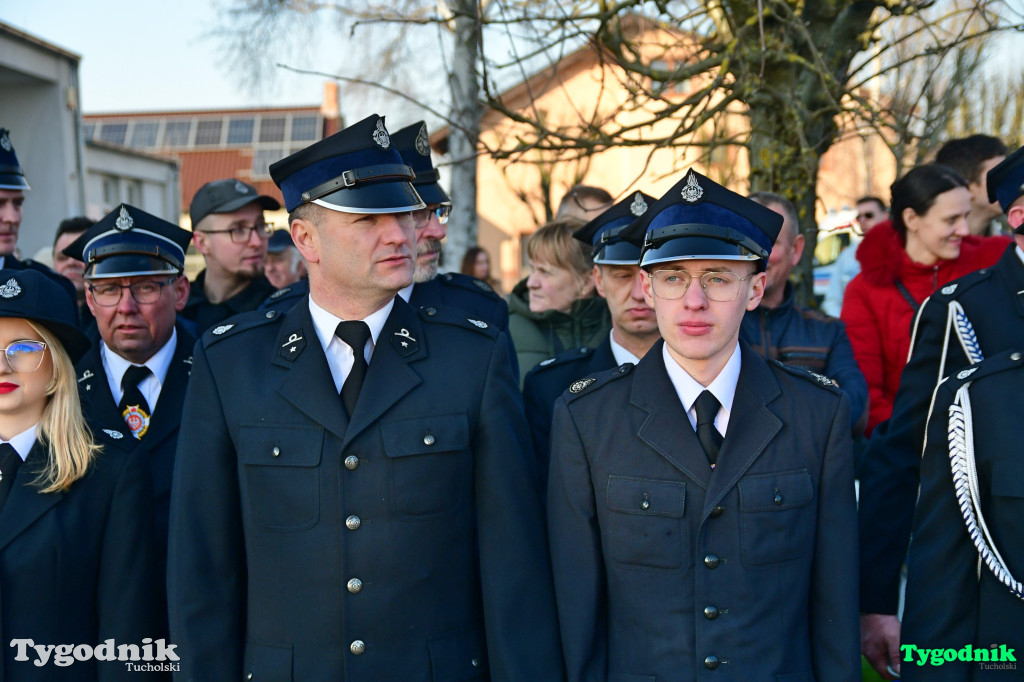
x=229 y=230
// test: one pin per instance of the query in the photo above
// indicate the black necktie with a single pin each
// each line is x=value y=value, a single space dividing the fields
x=137 y=418
x=10 y=462
x=355 y=334
x=710 y=439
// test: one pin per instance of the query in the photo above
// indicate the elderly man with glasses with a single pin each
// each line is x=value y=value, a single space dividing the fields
x=132 y=383
x=229 y=230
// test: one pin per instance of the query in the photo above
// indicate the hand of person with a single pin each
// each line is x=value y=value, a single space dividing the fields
x=880 y=643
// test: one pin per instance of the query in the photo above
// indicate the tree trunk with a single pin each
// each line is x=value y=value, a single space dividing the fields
x=466 y=113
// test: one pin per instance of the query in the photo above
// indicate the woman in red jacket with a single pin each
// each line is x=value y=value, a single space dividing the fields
x=926 y=244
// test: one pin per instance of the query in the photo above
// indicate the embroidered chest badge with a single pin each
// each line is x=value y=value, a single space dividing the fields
x=137 y=420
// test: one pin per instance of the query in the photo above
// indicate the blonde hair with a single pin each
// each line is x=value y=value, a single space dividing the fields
x=63 y=429
x=553 y=242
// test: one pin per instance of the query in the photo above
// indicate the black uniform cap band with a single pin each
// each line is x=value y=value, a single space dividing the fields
x=351 y=178
x=714 y=241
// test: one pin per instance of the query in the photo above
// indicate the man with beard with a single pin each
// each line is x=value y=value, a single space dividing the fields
x=634 y=328
x=229 y=230
x=781 y=329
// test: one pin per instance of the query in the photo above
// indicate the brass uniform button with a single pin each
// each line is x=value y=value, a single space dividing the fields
x=710 y=612
x=275 y=452
x=428 y=439
x=351 y=462
x=355 y=585
x=717 y=511
x=353 y=522
x=711 y=662
x=711 y=561
x=357 y=647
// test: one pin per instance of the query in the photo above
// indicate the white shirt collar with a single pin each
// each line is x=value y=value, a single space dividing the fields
x=23 y=442
x=723 y=387
x=619 y=352
x=326 y=323
x=115 y=366
x=406 y=293
x=1020 y=254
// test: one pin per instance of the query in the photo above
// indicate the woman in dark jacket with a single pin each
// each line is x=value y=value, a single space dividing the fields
x=77 y=559
x=556 y=308
x=926 y=245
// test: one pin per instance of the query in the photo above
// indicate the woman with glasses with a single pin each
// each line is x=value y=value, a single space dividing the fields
x=925 y=245
x=556 y=308
x=77 y=556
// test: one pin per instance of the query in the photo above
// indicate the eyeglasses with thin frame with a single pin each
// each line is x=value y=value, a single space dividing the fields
x=721 y=286
x=25 y=355
x=109 y=294
x=421 y=216
x=240 y=234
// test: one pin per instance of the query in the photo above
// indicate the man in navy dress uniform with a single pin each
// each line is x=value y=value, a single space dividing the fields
x=355 y=497
x=133 y=381
x=634 y=329
x=701 y=503
x=978 y=315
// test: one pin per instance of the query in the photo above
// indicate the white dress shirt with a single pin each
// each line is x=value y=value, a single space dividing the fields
x=340 y=356
x=23 y=442
x=115 y=366
x=723 y=387
x=621 y=355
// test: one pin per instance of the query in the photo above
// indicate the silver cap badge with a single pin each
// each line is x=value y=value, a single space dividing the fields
x=380 y=135
x=639 y=206
x=692 y=192
x=10 y=289
x=422 y=141
x=5 y=142
x=124 y=221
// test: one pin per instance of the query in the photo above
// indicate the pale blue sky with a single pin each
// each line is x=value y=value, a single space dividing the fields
x=146 y=55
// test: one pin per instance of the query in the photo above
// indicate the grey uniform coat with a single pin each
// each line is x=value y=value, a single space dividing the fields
x=405 y=544
x=668 y=571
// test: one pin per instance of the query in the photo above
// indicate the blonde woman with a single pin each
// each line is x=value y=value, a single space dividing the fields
x=77 y=559
x=556 y=308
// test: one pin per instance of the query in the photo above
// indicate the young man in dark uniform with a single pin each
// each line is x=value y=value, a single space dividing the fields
x=634 y=329
x=355 y=498
x=701 y=503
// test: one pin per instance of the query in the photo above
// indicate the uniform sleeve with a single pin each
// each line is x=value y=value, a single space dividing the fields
x=538 y=417
x=576 y=555
x=834 y=621
x=942 y=578
x=865 y=332
x=890 y=471
x=515 y=570
x=129 y=598
x=842 y=368
x=206 y=559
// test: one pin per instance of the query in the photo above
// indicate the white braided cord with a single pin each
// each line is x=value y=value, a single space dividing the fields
x=968 y=495
x=965 y=333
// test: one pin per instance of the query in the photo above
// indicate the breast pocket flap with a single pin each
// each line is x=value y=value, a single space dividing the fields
x=776 y=491
x=425 y=435
x=283 y=446
x=646 y=496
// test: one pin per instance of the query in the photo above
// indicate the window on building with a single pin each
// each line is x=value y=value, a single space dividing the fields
x=262 y=159
x=134 y=188
x=88 y=130
x=114 y=132
x=208 y=132
x=305 y=128
x=176 y=133
x=240 y=131
x=111 y=191
x=272 y=129
x=144 y=134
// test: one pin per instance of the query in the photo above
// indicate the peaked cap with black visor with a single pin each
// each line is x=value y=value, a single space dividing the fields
x=700 y=219
x=11 y=174
x=605 y=231
x=1005 y=182
x=128 y=242
x=356 y=170
x=413 y=143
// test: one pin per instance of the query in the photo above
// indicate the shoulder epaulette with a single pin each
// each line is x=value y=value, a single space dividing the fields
x=477 y=286
x=457 y=318
x=284 y=291
x=813 y=377
x=956 y=288
x=238 y=324
x=564 y=358
x=994 y=364
x=594 y=382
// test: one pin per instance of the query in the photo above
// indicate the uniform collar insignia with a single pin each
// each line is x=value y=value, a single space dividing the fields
x=124 y=221
x=947 y=290
x=578 y=386
x=478 y=323
x=292 y=346
x=279 y=293
x=639 y=206
x=422 y=141
x=10 y=289
x=222 y=328
x=404 y=342
x=693 y=191
x=966 y=373
x=380 y=135
x=116 y=435
x=87 y=374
